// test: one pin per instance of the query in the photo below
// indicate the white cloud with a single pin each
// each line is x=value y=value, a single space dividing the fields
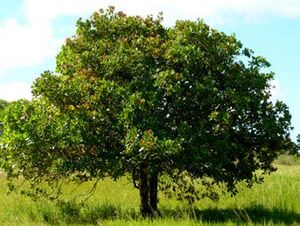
x=224 y=11
x=221 y=10
x=14 y=91
x=24 y=45
x=38 y=11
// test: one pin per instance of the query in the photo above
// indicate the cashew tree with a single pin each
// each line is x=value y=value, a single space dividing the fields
x=170 y=107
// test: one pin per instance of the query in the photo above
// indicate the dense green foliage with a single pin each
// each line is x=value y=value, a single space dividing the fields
x=172 y=106
x=3 y=104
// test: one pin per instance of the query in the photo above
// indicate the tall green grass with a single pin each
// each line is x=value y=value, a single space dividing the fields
x=275 y=202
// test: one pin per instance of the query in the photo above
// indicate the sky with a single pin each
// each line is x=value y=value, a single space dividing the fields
x=32 y=32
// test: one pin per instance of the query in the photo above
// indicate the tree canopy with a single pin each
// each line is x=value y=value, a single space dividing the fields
x=162 y=105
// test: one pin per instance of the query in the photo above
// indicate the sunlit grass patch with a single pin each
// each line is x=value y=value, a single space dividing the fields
x=274 y=202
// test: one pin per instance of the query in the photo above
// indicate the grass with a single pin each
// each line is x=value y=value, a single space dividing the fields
x=275 y=202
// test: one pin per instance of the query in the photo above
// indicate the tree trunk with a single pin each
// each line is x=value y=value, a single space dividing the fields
x=148 y=192
x=153 y=182
x=145 y=194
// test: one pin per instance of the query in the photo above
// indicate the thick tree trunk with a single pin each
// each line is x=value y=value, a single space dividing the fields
x=153 y=183
x=145 y=194
x=148 y=192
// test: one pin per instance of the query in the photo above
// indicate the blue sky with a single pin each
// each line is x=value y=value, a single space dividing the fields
x=32 y=31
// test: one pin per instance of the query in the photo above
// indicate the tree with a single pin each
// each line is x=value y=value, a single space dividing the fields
x=297 y=146
x=3 y=104
x=173 y=106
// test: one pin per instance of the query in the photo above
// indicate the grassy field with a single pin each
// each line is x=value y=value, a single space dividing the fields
x=275 y=202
